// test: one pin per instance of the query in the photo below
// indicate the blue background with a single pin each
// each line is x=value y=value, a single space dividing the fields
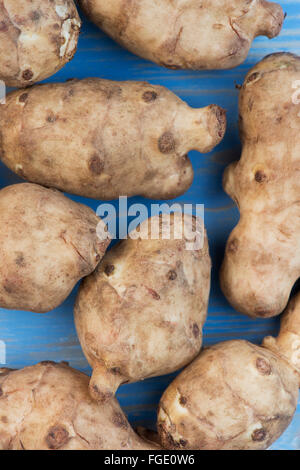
x=31 y=337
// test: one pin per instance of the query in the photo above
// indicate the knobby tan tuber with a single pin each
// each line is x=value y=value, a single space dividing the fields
x=235 y=395
x=262 y=259
x=141 y=313
x=48 y=407
x=47 y=244
x=187 y=34
x=37 y=38
x=103 y=139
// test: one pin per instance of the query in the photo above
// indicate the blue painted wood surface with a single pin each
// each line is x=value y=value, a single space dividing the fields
x=31 y=338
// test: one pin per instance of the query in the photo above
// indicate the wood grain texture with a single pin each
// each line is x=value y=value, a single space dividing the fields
x=31 y=338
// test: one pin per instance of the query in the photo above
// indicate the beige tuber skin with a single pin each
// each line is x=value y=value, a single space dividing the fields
x=48 y=407
x=235 y=395
x=103 y=139
x=37 y=38
x=187 y=34
x=141 y=313
x=262 y=259
x=47 y=244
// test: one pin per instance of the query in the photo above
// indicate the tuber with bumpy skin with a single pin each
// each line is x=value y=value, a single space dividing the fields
x=103 y=139
x=37 y=38
x=187 y=34
x=47 y=244
x=48 y=407
x=141 y=313
x=235 y=395
x=262 y=258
